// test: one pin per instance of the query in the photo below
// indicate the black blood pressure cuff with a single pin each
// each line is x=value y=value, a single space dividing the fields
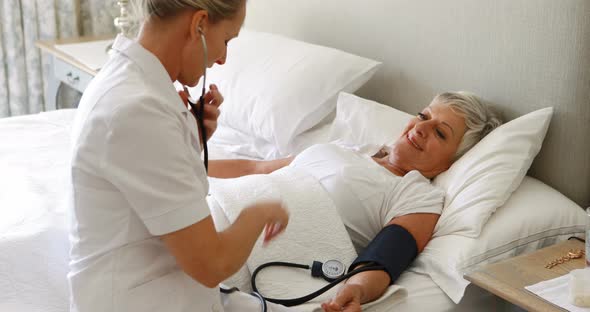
x=394 y=248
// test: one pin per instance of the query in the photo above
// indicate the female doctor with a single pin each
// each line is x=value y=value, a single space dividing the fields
x=141 y=235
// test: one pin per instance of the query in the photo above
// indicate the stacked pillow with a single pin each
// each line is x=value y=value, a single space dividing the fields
x=276 y=88
x=535 y=216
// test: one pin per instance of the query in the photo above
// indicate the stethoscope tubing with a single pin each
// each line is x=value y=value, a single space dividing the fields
x=199 y=113
x=306 y=298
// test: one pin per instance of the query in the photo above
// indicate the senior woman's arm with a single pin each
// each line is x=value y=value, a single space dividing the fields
x=233 y=168
x=370 y=285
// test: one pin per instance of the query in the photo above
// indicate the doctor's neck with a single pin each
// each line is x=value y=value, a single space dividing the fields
x=166 y=39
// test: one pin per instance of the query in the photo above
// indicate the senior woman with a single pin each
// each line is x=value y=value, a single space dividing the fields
x=141 y=235
x=387 y=202
x=398 y=204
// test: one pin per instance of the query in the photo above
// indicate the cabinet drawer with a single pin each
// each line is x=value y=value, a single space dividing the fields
x=72 y=76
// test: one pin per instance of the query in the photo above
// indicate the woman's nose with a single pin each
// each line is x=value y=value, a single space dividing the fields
x=221 y=61
x=421 y=129
x=424 y=128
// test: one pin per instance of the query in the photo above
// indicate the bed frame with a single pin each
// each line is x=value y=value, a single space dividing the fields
x=520 y=55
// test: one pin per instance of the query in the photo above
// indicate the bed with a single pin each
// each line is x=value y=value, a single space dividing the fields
x=520 y=56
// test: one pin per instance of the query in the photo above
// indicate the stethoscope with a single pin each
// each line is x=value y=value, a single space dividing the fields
x=198 y=113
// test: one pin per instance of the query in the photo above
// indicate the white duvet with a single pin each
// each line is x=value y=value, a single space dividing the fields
x=33 y=236
x=315 y=232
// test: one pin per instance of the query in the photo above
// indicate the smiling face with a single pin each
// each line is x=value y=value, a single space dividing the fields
x=429 y=141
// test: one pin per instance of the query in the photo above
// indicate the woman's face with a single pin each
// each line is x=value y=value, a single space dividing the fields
x=429 y=141
x=217 y=36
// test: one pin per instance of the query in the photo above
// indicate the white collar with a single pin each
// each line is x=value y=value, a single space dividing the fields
x=151 y=67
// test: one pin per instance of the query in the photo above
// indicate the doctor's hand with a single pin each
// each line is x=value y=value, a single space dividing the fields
x=348 y=299
x=276 y=217
x=213 y=99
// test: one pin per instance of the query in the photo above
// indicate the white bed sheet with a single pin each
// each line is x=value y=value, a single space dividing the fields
x=33 y=234
x=33 y=226
x=425 y=295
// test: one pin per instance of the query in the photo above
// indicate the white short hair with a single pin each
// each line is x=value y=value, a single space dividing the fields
x=480 y=118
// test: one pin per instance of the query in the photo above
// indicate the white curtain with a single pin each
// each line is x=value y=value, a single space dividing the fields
x=22 y=67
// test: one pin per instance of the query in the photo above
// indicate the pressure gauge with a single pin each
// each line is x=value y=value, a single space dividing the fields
x=332 y=269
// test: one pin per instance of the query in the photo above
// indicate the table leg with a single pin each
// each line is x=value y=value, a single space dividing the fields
x=52 y=88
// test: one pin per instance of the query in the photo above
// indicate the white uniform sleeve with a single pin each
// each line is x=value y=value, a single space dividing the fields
x=148 y=158
x=415 y=194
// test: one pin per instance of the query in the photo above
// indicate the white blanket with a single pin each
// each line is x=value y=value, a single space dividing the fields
x=315 y=232
x=33 y=236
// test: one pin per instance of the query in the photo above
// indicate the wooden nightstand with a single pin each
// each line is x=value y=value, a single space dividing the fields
x=65 y=68
x=507 y=279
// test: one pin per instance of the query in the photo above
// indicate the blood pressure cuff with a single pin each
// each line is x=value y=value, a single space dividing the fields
x=394 y=248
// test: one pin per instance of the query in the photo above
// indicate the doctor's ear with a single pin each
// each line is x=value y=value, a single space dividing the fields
x=200 y=21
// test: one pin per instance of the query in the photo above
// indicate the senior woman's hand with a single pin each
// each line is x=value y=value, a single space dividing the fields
x=233 y=168
x=348 y=299
x=269 y=166
x=213 y=99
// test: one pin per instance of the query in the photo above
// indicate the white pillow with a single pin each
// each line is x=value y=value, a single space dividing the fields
x=366 y=125
x=276 y=87
x=535 y=216
x=483 y=179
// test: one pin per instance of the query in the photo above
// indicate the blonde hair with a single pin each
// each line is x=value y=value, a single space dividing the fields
x=480 y=119
x=218 y=9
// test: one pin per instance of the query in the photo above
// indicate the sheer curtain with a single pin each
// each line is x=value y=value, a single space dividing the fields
x=22 y=67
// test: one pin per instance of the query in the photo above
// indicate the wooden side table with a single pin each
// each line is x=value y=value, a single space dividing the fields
x=507 y=279
x=65 y=68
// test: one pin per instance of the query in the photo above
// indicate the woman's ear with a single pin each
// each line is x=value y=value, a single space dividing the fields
x=200 y=22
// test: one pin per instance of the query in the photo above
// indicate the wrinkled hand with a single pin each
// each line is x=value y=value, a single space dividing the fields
x=213 y=99
x=348 y=299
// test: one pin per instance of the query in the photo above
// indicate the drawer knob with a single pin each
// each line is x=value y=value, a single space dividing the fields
x=72 y=79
